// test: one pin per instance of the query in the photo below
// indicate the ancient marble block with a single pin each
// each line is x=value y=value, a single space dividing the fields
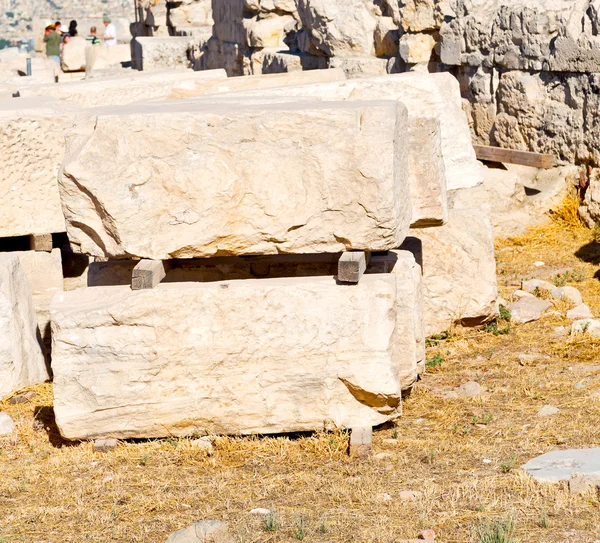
x=32 y=146
x=192 y=179
x=21 y=356
x=459 y=270
x=233 y=357
x=161 y=53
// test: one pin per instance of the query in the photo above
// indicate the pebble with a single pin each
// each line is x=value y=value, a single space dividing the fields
x=579 y=386
x=105 y=445
x=518 y=294
x=205 y=444
x=7 y=426
x=486 y=461
x=470 y=389
x=427 y=534
x=383 y=455
x=547 y=411
x=539 y=264
x=410 y=494
x=25 y=397
x=385 y=497
x=561 y=331
x=260 y=511
x=391 y=441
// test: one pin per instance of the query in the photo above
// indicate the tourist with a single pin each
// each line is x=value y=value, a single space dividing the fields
x=92 y=38
x=53 y=41
x=73 y=29
x=66 y=39
x=110 y=33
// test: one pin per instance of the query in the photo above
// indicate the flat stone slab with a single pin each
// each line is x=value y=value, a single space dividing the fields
x=564 y=465
x=190 y=180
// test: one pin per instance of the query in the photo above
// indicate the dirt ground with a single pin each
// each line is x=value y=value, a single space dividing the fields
x=56 y=492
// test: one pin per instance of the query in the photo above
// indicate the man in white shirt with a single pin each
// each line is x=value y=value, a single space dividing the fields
x=110 y=33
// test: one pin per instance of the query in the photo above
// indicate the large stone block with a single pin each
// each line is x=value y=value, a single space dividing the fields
x=21 y=357
x=234 y=357
x=161 y=53
x=208 y=182
x=32 y=146
x=122 y=90
x=434 y=96
x=459 y=271
x=72 y=55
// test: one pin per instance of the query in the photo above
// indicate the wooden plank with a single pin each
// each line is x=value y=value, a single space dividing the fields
x=149 y=273
x=512 y=156
x=352 y=265
x=361 y=442
x=41 y=242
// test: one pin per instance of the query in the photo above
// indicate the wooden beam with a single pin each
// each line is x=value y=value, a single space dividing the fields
x=149 y=273
x=361 y=442
x=352 y=266
x=41 y=242
x=512 y=156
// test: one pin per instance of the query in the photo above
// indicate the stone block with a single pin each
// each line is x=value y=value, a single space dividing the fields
x=387 y=35
x=459 y=271
x=160 y=53
x=72 y=55
x=234 y=357
x=21 y=356
x=32 y=147
x=416 y=48
x=222 y=190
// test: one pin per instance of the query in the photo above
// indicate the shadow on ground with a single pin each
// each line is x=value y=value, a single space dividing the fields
x=44 y=419
x=590 y=253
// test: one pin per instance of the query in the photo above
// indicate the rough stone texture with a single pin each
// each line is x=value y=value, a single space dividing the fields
x=568 y=294
x=582 y=311
x=72 y=55
x=161 y=53
x=184 y=14
x=198 y=199
x=123 y=90
x=563 y=465
x=548 y=411
x=45 y=275
x=528 y=309
x=235 y=357
x=31 y=146
x=590 y=327
x=535 y=286
x=435 y=96
x=459 y=271
x=416 y=48
x=7 y=426
x=205 y=531
x=21 y=357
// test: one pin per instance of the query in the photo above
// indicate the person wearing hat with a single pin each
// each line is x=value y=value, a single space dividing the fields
x=53 y=40
x=110 y=33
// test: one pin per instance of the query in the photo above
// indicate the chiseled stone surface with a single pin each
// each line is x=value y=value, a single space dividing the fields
x=72 y=55
x=459 y=270
x=32 y=146
x=21 y=357
x=563 y=465
x=434 y=96
x=235 y=357
x=161 y=53
x=214 y=179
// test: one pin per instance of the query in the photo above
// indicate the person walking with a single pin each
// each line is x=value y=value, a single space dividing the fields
x=53 y=40
x=110 y=33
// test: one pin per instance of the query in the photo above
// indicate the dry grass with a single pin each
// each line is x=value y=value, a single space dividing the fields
x=52 y=492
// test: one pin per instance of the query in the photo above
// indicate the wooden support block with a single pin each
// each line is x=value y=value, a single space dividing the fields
x=42 y=242
x=512 y=156
x=149 y=273
x=361 y=441
x=352 y=265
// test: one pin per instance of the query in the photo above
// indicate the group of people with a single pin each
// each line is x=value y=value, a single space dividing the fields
x=57 y=35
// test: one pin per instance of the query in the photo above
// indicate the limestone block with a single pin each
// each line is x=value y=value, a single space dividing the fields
x=421 y=15
x=338 y=27
x=386 y=37
x=337 y=181
x=459 y=271
x=32 y=146
x=190 y=13
x=235 y=357
x=275 y=60
x=45 y=275
x=360 y=66
x=123 y=90
x=72 y=55
x=161 y=53
x=416 y=48
x=268 y=31
x=21 y=357
x=434 y=96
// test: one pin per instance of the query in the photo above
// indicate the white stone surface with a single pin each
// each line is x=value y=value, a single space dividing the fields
x=459 y=271
x=161 y=53
x=208 y=182
x=589 y=327
x=235 y=357
x=21 y=357
x=72 y=55
x=582 y=311
x=7 y=425
x=528 y=309
x=32 y=146
x=568 y=294
x=416 y=48
x=563 y=465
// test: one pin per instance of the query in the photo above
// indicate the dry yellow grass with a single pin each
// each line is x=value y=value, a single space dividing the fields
x=55 y=492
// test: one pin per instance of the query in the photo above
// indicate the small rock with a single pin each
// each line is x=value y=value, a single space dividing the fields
x=568 y=294
x=582 y=311
x=260 y=511
x=528 y=309
x=518 y=294
x=561 y=331
x=105 y=445
x=579 y=386
x=385 y=497
x=383 y=456
x=469 y=390
x=25 y=397
x=410 y=494
x=563 y=465
x=590 y=327
x=427 y=534
x=107 y=479
x=580 y=484
x=205 y=444
x=547 y=411
x=7 y=426
x=391 y=441
x=537 y=285
x=205 y=531
x=539 y=264
x=486 y=461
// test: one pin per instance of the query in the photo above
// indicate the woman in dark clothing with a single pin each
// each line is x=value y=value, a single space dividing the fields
x=73 y=29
